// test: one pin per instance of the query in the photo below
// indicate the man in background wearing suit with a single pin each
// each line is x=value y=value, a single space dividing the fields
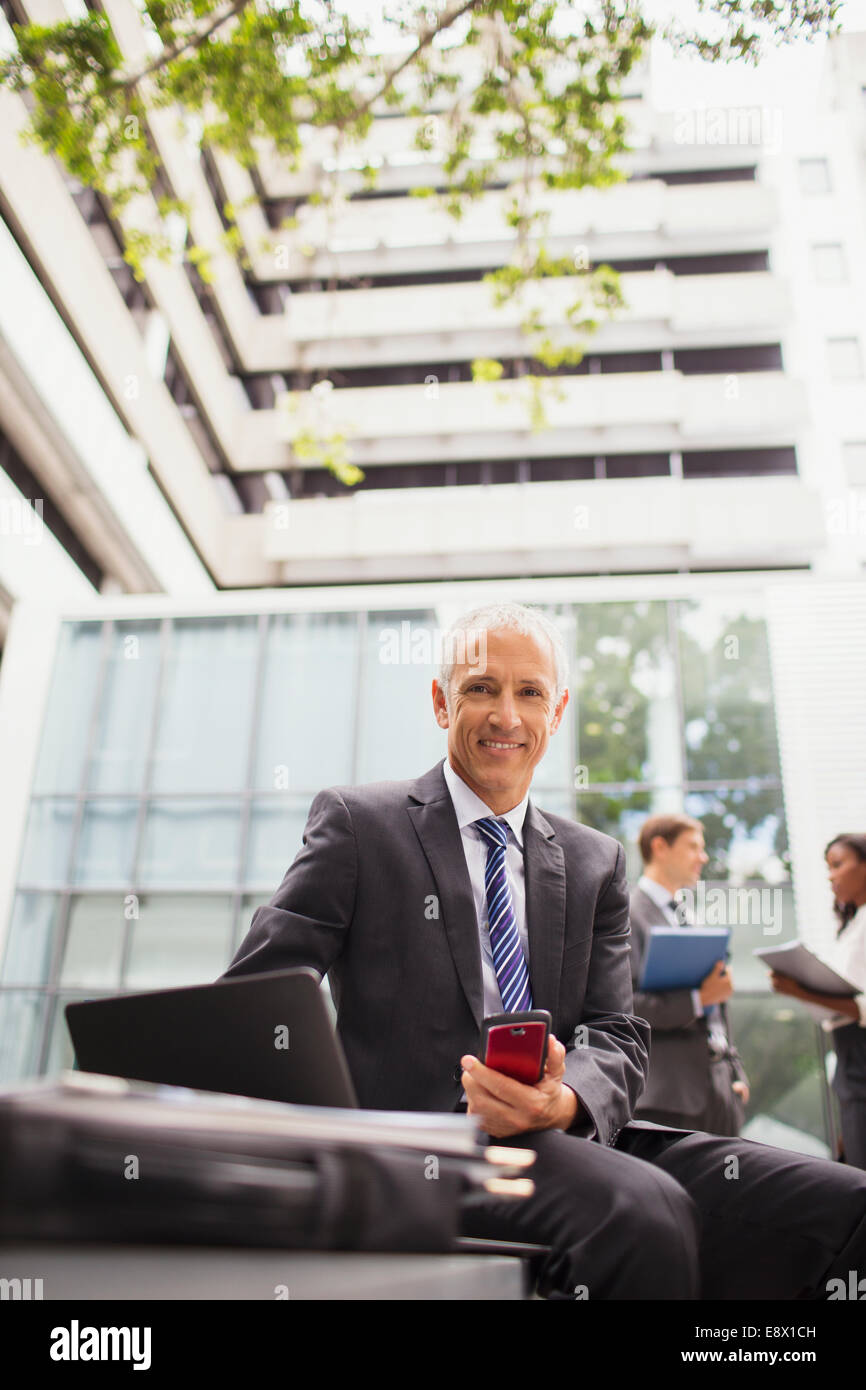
x=393 y=895
x=696 y=1079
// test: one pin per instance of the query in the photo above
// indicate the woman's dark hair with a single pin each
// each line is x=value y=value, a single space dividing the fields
x=845 y=911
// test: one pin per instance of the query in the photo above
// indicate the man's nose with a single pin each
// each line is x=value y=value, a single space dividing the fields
x=504 y=713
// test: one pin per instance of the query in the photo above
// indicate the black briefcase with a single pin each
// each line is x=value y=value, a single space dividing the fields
x=99 y=1159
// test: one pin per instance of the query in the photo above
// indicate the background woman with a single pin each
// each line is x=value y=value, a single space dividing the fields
x=846 y=863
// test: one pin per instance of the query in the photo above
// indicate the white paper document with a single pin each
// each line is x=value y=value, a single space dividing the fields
x=798 y=962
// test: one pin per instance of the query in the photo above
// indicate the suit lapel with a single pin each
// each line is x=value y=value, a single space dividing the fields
x=544 y=863
x=435 y=824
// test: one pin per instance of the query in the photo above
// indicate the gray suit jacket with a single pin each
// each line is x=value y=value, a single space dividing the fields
x=379 y=897
x=679 y=1075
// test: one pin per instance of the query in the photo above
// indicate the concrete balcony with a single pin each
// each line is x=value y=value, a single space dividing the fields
x=424 y=323
x=542 y=528
x=414 y=233
x=586 y=415
x=656 y=139
x=86 y=456
x=169 y=284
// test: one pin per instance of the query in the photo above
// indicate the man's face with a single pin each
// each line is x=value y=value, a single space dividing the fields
x=683 y=861
x=502 y=715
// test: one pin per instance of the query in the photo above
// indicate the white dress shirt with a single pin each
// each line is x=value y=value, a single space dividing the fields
x=847 y=955
x=469 y=807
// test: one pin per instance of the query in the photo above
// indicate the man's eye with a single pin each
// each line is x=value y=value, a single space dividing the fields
x=529 y=690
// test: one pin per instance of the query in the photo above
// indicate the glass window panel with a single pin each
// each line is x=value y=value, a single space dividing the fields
x=745 y=833
x=555 y=773
x=179 y=941
x=31 y=938
x=730 y=722
x=22 y=1015
x=556 y=769
x=622 y=817
x=47 y=843
x=206 y=706
x=190 y=842
x=844 y=358
x=61 y=1053
x=828 y=263
x=560 y=803
x=780 y=1047
x=306 y=729
x=624 y=690
x=65 y=732
x=126 y=709
x=94 y=942
x=275 y=836
x=106 y=843
x=399 y=735
x=814 y=176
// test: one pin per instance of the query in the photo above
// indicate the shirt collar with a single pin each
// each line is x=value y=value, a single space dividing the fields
x=469 y=807
x=659 y=894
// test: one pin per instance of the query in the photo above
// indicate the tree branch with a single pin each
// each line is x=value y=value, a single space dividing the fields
x=175 y=49
x=444 y=22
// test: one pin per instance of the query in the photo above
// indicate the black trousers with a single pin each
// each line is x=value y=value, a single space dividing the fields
x=673 y=1214
x=849 y=1083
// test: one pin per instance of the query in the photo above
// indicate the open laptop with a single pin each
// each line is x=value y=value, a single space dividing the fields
x=267 y=1036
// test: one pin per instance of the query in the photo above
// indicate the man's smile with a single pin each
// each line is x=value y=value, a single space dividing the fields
x=499 y=746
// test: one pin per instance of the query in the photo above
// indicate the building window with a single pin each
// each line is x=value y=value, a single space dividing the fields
x=828 y=263
x=844 y=358
x=764 y=357
x=637 y=466
x=744 y=173
x=814 y=176
x=731 y=463
x=854 y=459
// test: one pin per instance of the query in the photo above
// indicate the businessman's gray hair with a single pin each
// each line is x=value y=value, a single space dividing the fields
x=492 y=617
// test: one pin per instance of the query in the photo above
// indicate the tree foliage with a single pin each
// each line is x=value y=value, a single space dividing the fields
x=542 y=111
x=629 y=658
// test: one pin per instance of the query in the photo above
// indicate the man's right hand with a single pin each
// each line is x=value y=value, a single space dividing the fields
x=718 y=985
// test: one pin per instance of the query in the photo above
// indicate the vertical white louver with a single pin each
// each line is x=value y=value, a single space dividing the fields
x=817 y=634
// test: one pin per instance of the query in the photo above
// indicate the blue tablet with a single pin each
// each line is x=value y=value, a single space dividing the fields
x=681 y=957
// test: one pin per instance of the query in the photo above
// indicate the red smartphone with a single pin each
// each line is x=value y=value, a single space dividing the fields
x=516 y=1044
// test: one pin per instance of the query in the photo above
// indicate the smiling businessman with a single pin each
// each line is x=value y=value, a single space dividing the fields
x=391 y=895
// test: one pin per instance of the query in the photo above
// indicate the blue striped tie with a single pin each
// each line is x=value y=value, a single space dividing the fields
x=508 y=958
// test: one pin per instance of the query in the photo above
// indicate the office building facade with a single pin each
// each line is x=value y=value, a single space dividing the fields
x=198 y=614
